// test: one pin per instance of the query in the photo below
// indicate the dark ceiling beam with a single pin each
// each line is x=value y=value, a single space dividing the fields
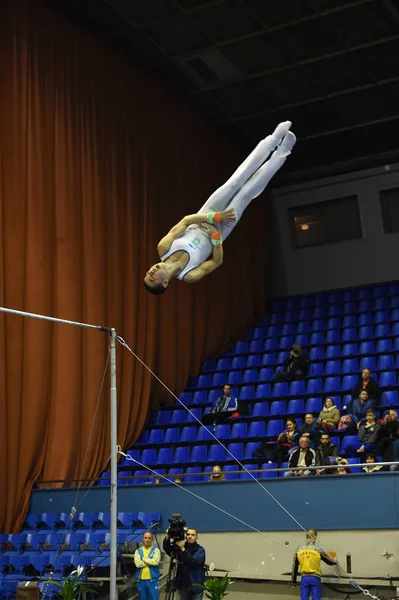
x=307 y=61
x=349 y=128
x=390 y=9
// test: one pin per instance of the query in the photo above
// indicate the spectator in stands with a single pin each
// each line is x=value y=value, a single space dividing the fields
x=217 y=474
x=225 y=406
x=368 y=433
x=341 y=469
x=311 y=429
x=329 y=416
x=367 y=383
x=296 y=365
x=360 y=407
x=326 y=451
x=372 y=458
x=178 y=479
x=147 y=559
x=301 y=458
x=191 y=561
x=286 y=442
x=387 y=433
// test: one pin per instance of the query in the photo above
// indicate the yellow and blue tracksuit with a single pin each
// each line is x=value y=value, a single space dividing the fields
x=147 y=572
x=307 y=558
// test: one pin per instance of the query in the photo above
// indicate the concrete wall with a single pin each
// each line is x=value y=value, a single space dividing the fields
x=333 y=266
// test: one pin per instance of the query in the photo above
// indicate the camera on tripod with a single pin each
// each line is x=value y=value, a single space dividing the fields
x=177 y=529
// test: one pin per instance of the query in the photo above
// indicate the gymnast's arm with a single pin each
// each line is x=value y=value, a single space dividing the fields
x=178 y=230
x=207 y=267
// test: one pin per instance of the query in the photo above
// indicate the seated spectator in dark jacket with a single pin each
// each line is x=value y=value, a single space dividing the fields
x=368 y=433
x=367 y=383
x=302 y=458
x=278 y=451
x=311 y=429
x=387 y=433
x=326 y=451
x=329 y=416
x=225 y=405
x=372 y=458
x=360 y=407
x=296 y=365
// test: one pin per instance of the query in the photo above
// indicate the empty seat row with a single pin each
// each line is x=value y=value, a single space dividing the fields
x=90 y=521
x=340 y=311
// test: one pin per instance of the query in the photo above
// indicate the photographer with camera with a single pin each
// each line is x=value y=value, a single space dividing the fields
x=296 y=365
x=183 y=548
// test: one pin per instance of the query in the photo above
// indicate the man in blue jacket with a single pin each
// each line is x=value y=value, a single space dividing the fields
x=225 y=406
x=191 y=561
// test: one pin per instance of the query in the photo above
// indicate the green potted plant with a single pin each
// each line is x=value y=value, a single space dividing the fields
x=72 y=587
x=216 y=589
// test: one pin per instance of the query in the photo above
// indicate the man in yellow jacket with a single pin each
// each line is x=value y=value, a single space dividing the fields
x=147 y=559
x=307 y=558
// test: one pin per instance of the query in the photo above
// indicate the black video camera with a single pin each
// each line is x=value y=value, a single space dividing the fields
x=177 y=528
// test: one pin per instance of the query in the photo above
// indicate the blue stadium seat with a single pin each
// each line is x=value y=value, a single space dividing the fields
x=198 y=454
x=165 y=456
x=333 y=351
x=182 y=454
x=260 y=409
x=280 y=390
x=263 y=391
x=256 y=346
x=383 y=346
x=143 y=439
x=281 y=356
x=395 y=319
x=321 y=299
x=332 y=384
x=269 y=359
x=396 y=345
x=286 y=342
x=222 y=432
x=209 y=366
x=332 y=367
x=237 y=450
x=234 y=378
x=334 y=310
x=274 y=428
x=333 y=323
x=171 y=435
x=241 y=348
x=318 y=325
x=387 y=379
x=385 y=362
x=294 y=303
x=349 y=321
x=349 y=296
x=366 y=332
x=256 y=430
x=247 y=392
x=288 y=329
x=133 y=453
x=163 y=417
x=349 y=308
x=302 y=339
x=249 y=467
x=349 y=382
x=316 y=369
x=273 y=331
x=381 y=316
x=277 y=408
x=364 y=293
x=367 y=362
x=259 y=333
x=204 y=381
x=265 y=374
x=191 y=475
x=219 y=379
x=231 y=472
x=253 y=360
x=354 y=461
x=383 y=330
x=270 y=345
x=203 y=435
x=349 y=334
x=334 y=297
x=350 y=365
x=178 y=416
x=202 y=397
x=393 y=289
x=190 y=418
x=366 y=348
x=394 y=302
x=316 y=353
x=105 y=479
x=297 y=388
x=365 y=319
x=216 y=454
x=365 y=306
x=314 y=386
x=186 y=398
x=269 y=472
x=349 y=350
x=332 y=336
x=239 y=362
x=304 y=314
x=380 y=292
x=313 y=405
x=211 y=397
x=125 y=477
x=277 y=318
x=291 y=316
x=389 y=399
x=238 y=431
x=156 y=436
x=320 y=312
x=295 y=407
x=250 y=376
x=349 y=445
x=188 y=434
x=250 y=449
x=303 y=327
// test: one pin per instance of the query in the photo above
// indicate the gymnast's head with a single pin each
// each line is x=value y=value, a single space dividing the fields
x=156 y=279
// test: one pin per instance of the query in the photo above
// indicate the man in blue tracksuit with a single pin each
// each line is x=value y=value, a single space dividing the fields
x=147 y=559
x=308 y=558
x=191 y=561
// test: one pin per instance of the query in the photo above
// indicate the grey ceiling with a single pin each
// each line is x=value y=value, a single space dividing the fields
x=329 y=66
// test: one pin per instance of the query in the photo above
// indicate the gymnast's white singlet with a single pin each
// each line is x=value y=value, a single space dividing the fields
x=196 y=243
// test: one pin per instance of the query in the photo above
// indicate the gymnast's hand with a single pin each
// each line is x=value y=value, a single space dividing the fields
x=228 y=215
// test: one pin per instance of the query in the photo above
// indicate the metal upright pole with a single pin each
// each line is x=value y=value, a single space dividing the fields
x=114 y=488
